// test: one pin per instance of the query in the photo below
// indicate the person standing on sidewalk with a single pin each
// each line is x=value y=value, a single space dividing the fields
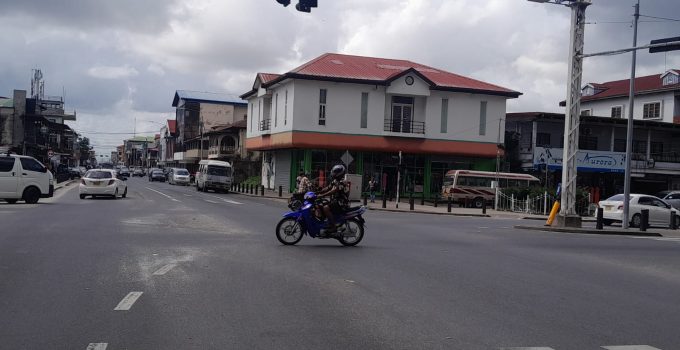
x=371 y=188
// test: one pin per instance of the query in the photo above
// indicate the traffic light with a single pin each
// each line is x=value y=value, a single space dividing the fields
x=306 y=5
x=283 y=2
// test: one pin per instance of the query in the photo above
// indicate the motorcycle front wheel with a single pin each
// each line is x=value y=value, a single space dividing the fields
x=289 y=231
x=353 y=233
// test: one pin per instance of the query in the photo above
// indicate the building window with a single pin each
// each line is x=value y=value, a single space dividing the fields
x=285 y=109
x=617 y=111
x=482 y=118
x=656 y=149
x=586 y=112
x=276 y=108
x=542 y=139
x=670 y=79
x=402 y=115
x=259 y=110
x=587 y=143
x=639 y=146
x=364 y=110
x=251 y=117
x=619 y=145
x=322 y=106
x=445 y=115
x=651 y=110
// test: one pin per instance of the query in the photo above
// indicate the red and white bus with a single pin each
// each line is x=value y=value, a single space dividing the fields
x=476 y=187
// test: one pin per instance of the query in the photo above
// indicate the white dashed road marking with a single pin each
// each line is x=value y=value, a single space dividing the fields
x=128 y=301
x=162 y=194
x=630 y=347
x=223 y=199
x=187 y=195
x=163 y=270
x=209 y=201
x=97 y=346
x=529 y=348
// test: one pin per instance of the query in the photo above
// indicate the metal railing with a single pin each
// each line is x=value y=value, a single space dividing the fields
x=265 y=124
x=404 y=126
x=538 y=205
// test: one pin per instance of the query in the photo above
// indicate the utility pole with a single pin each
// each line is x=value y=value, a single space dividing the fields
x=568 y=216
x=629 y=131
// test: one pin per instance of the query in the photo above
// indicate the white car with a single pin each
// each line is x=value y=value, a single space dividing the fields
x=179 y=176
x=659 y=211
x=102 y=182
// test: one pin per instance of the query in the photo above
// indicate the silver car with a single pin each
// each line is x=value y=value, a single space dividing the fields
x=673 y=199
x=179 y=176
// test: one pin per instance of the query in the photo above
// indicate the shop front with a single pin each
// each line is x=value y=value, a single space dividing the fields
x=420 y=174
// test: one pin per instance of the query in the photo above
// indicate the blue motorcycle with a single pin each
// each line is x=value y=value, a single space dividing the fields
x=304 y=220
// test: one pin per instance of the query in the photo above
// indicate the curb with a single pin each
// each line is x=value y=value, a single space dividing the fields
x=63 y=184
x=429 y=212
x=589 y=231
x=538 y=218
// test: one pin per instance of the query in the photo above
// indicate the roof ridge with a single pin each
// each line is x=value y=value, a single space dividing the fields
x=308 y=63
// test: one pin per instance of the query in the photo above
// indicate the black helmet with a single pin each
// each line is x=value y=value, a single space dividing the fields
x=338 y=172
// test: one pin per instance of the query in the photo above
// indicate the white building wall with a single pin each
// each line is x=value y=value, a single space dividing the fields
x=603 y=108
x=343 y=111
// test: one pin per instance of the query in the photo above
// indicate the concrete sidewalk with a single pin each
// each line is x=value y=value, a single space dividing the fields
x=441 y=209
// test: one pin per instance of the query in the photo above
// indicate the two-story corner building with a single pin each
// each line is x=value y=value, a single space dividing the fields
x=657 y=98
x=535 y=144
x=367 y=111
x=196 y=113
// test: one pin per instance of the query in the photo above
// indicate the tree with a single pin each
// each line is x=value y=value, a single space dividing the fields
x=84 y=148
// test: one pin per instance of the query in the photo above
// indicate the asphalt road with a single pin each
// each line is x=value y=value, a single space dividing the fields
x=172 y=268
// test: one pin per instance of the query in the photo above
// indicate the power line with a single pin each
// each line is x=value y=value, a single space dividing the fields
x=663 y=18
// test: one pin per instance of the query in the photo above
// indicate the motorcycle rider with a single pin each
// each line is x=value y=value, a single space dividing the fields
x=337 y=190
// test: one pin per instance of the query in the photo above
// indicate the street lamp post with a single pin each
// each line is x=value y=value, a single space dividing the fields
x=568 y=216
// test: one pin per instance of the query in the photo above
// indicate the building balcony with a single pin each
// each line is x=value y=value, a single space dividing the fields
x=218 y=152
x=404 y=128
x=265 y=124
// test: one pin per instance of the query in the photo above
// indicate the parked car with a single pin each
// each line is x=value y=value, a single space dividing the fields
x=150 y=172
x=124 y=171
x=673 y=198
x=74 y=172
x=24 y=178
x=102 y=182
x=179 y=176
x=659 y=211
x=156 y=175
x=138 y=172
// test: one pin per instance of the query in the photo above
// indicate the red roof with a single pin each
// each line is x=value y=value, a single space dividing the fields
x=338 y=67
x=620 y=88
x=267 y=77
x=172 y=126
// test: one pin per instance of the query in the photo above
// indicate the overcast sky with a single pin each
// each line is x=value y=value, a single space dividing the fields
x=121 y=60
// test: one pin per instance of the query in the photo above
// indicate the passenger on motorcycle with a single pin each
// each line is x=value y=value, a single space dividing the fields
x=339 y=201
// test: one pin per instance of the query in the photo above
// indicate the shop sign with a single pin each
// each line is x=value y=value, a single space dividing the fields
x=594 y=161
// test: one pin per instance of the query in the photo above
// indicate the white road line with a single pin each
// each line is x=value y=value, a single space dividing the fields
x=224 y=199
x=209 y=201
x=97 y=346
x=187 y=195
x=128 y=301
x=529 y=348
x=163 y=270
x=630 y=347
x=161 y=193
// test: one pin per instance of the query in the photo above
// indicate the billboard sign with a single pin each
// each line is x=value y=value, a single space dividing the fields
x=592 y=161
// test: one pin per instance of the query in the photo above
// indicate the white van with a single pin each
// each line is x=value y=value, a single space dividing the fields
x=214 y=175
x=24 y=178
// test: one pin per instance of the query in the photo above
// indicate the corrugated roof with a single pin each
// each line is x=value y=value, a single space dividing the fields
x=212 y=97
x=267 y=77
x=172 y=126
x=620 y=88
x=383 y=70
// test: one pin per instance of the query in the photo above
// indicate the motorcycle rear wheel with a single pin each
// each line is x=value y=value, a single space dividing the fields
x=353 y=233
x=289 y=231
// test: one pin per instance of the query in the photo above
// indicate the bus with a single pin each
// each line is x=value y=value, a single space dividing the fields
x=477 y=187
